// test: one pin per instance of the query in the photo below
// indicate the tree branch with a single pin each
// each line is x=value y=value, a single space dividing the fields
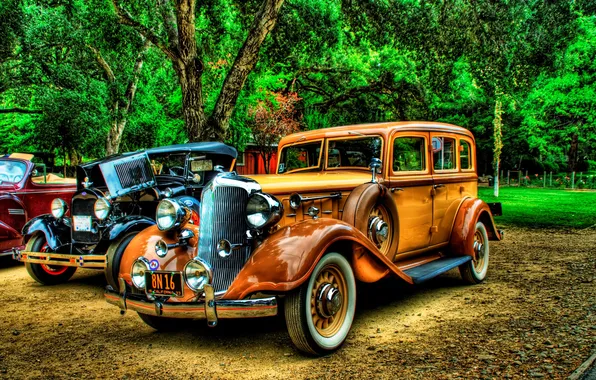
x=126 y=19
x=245 y=61
x=104 y=65
x=20 y=110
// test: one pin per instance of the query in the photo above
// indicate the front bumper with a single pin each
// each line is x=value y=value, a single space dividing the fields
x=49 y=258
x=209 y=308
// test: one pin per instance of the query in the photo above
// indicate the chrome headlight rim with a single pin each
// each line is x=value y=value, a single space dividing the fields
x=179 y=216
x=205 y=267
x=138 y=280
x=102 y=208
x=58 y=208
x=264 y=218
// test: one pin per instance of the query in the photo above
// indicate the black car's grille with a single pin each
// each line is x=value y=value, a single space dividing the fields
x=223 y=216
x=82 y=205
x=133 y=173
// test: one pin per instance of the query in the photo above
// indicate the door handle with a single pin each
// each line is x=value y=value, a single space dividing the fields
x=394 y=189
x=438 y=186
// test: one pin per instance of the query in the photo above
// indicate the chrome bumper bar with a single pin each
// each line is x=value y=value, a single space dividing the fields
x=49 y=258
x=209 y=308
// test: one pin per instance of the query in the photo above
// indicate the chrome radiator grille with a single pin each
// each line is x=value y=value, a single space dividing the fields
x=223 y=216
x=83 y=206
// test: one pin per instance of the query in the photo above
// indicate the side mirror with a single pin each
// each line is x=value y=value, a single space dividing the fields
x=34 y=172
x=375 y=166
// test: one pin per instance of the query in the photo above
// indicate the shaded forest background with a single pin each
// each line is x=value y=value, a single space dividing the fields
x=82 y=78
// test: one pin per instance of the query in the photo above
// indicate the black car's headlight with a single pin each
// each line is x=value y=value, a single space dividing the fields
x=102 y=208
x=58 y=208
x=171 y=214
x=263 y=210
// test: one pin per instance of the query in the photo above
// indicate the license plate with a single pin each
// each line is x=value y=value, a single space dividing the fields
x=82 y=223
x=164 y=283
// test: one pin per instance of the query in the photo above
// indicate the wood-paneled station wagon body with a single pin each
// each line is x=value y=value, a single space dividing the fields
x=26 y=191
x=116 y=197
x=347 y=205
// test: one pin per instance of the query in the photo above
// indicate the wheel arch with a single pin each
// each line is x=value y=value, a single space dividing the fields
x=57 y=233
x=285 y=260
x=127 y=225
x=471 y=211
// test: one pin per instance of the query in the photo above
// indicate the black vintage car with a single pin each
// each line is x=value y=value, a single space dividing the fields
x=116 y=198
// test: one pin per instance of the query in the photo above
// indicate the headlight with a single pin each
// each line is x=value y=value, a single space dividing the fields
x=161 y=248
x=138 y=272
x=102 y=208
x=262 y=210
x=171 y=214
x=58 y=208
x=198 y=274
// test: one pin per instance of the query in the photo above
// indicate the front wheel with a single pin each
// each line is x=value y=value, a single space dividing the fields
x=319 y=314
x=474 y=271
x=43 y=273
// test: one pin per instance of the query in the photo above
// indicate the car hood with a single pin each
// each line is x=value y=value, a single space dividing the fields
x=308 y=182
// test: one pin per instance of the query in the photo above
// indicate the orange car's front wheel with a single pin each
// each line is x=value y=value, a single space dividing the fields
x=319 y=314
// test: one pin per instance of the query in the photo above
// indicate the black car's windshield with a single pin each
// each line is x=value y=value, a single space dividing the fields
x=12 y=171
x=174 y=165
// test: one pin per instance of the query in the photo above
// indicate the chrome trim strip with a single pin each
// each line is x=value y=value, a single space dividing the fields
x=49 y=258
x=221 y=309
x=16 y=211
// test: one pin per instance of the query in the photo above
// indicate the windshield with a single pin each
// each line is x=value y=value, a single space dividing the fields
x=300 y=157
x=12 y=171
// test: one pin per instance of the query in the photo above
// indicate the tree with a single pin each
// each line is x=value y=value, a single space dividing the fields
x=274 y=117
x=179 y=24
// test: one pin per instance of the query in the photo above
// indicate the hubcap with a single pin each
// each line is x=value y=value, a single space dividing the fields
x=328 y=301
x=479 y=251
x=379 y=230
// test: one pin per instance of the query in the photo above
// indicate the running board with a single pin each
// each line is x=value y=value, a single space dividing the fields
x=430 y=270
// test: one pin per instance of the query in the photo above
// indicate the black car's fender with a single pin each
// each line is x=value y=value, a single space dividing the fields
x=57 y=232
x=127 y=224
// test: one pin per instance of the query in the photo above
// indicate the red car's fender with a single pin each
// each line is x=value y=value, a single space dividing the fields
x=471 y=211
x=285 y=260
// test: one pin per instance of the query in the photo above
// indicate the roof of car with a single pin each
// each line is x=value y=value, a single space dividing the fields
x=374 y=128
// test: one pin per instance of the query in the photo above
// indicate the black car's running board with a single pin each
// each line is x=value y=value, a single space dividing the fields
x=430 y=270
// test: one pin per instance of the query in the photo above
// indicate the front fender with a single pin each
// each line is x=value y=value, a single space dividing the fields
x=128 y=224
x=57 y=232
x=285 y=260
x=472 y=210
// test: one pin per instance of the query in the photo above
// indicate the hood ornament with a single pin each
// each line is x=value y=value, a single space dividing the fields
x=86 y=183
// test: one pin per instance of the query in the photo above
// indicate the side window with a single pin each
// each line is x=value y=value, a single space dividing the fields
x=300 y=156
x=353 y=152
x=444 y=153
x=465 y=160
x=409 y=154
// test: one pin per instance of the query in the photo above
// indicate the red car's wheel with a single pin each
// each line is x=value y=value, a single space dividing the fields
x=43 y=273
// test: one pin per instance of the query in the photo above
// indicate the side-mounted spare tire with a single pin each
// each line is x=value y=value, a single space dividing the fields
x=367 y=206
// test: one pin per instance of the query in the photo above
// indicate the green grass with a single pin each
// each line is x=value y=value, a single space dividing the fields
x=543 y=208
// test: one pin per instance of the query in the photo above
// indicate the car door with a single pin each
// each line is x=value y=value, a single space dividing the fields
x=411 y=185
x=451 y=182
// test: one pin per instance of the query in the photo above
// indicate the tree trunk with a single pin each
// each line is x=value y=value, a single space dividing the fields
x=498 y=137
x=572 y=153
x=245 y=61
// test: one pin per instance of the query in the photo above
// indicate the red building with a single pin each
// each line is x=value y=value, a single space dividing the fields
x=251 y=161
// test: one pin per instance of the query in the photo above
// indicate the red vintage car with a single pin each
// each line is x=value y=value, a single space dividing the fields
x=26 y=191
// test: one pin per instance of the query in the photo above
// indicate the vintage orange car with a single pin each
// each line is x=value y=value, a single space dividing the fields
x=348 y=205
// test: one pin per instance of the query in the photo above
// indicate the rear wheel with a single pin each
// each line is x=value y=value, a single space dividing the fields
x=114 y=257
x=319 y=314
x=474 y=271
x=43 y=273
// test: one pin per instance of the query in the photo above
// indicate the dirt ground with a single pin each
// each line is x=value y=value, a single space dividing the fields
x=535 y=316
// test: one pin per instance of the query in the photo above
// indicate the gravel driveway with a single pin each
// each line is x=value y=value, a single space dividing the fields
x=535 y=316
